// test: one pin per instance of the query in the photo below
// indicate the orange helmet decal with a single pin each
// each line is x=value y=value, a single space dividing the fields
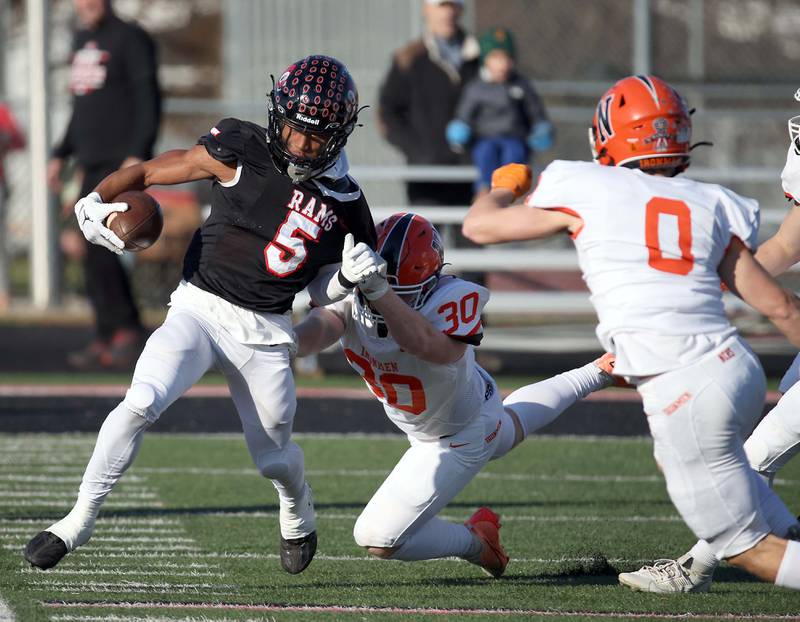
x=642 y=122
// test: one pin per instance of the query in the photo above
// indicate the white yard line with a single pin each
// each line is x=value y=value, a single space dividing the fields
x=71 y=494
x=408 y=611
x=6 y=614
x=108 y=504
x=111 y=520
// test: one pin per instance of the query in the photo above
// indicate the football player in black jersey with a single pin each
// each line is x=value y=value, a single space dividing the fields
x=283 y=208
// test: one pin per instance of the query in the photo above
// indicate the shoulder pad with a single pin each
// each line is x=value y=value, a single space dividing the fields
x=343 y=189
x=455 y=308
x=233 y=140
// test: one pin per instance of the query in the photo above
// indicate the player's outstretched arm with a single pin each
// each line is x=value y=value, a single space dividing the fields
x=782 y=250
x=414 y=333
x=320 y=328
x=750 y=281
x=494 y=217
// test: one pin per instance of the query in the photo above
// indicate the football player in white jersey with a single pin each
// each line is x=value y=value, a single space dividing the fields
x=652 y=247
x=776 y=438
x=411 y=335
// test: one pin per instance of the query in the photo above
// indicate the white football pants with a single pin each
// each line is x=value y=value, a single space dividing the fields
x=776 y=438
x=699 y=417
x=175 y=357
x=431 y=473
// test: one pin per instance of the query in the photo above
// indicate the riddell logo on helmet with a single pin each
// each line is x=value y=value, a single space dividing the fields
x=305 y=119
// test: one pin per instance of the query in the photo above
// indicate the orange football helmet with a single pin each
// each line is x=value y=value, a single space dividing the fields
x=414 y=254
x=642 y=122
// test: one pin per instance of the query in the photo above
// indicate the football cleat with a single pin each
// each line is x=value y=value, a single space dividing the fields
x=667 y=576
x=485 y=524
x=45 y=550
x=297 y=553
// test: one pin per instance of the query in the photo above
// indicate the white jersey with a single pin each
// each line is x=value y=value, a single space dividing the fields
x=649 y=248
x=425 y=400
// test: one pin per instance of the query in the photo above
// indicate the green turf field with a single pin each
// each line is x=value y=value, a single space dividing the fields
x=192 y=531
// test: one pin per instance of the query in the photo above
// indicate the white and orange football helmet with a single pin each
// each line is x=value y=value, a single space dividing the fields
x=414 y=254
x=642 y=122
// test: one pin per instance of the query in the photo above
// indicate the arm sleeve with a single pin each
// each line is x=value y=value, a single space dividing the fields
x=141 y=66
x=394 y=109
x=328 y=286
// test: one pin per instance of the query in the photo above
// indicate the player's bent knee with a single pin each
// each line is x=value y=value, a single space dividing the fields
x=381 y=552
x=367 y=534
x=140 y=400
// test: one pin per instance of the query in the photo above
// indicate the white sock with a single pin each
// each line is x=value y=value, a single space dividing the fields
x=538 y=404
x=789 y=570
x=76 y=527
x=778 y=516
x=439 y=538
x=701 y=559
x=117 y=444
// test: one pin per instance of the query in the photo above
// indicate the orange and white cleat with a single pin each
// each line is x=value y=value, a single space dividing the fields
x=485 y=524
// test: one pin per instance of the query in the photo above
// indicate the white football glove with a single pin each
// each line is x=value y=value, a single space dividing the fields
x=375 y=285
x=363 y=267
x=91 y=213
x=358 y=260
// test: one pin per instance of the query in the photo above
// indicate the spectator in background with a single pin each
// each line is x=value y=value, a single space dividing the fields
x=115 y=118
x=499 y=114
x=420 y=94
x=11 y=138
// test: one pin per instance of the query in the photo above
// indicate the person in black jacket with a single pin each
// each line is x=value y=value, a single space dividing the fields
x=419 y=97
x=285 y=216
x=115 y=118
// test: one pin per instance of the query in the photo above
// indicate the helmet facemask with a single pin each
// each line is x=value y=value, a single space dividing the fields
x=300 y=168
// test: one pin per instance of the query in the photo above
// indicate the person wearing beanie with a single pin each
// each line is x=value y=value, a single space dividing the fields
x=500 y=117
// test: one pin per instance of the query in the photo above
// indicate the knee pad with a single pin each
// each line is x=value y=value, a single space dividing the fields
x=140 y=400
x=362 y=533
x=773 y=443
x=368 y=532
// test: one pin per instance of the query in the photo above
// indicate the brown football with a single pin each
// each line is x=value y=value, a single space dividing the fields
x=139 y=226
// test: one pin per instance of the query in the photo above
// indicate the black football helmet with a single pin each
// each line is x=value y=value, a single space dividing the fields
x=315 y=95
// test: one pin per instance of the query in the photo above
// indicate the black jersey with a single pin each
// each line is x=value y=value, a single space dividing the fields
x=266 y=237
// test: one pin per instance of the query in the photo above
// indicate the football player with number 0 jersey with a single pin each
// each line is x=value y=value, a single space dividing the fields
x=410 y=332
x=282 y=205
x=652 y=247
x=776 y=439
